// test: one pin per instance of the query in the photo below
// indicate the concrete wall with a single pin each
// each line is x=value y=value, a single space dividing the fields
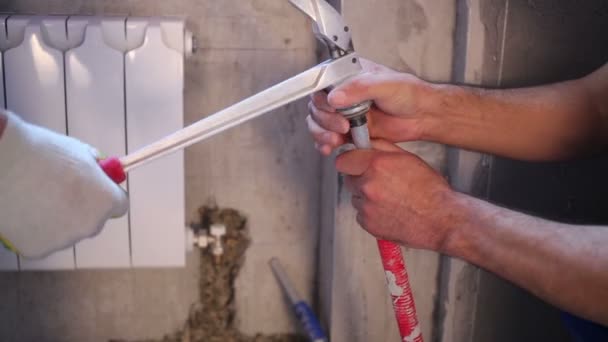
x=544 y=41
x=267 y=169
x=410 y=36
x=510 y=43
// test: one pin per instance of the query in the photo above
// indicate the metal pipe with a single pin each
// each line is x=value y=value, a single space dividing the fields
x=305 y=315
x=281 y=276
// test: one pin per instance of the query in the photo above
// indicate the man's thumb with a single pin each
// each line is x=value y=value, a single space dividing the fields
x=360 y=88
x=351 y=92
x=355 y=162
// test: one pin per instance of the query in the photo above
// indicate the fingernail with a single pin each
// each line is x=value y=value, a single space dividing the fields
x=325 y=150
x=326 y=137
x=345 y=127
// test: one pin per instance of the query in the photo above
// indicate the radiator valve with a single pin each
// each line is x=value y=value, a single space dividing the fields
x=217 y=231
x=212 y=239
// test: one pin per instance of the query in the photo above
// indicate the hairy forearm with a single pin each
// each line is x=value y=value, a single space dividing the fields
x=550 y=122
x=565 y=265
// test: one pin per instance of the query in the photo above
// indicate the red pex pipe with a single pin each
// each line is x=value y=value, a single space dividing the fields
x=398 y=284
x=397 y=279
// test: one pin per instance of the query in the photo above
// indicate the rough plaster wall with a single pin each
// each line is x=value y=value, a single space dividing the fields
x=515 y=43
x=87 y=306
x=459 y=280
x=416 y=37
x=267 y=169
x=410 y=36
x=544 y=41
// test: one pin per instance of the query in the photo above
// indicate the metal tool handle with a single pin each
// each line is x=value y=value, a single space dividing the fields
x=314 y=79
x=304 y=84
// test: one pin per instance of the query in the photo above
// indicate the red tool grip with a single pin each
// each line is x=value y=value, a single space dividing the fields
x=113 y=168
x=399 y=286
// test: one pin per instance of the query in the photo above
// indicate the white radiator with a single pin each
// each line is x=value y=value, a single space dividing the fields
x=117 y=84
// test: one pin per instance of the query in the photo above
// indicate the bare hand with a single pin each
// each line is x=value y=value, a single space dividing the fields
x=396 y=116
x=398 y=197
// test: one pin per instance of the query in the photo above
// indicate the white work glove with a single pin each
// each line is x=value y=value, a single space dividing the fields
x=52 y=191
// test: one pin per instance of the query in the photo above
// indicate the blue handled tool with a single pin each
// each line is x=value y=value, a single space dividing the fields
x=307 y=318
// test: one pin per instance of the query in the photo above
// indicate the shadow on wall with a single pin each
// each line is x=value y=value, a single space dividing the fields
x=545 y=41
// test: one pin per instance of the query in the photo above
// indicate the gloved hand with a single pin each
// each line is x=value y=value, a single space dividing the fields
x=52 y=192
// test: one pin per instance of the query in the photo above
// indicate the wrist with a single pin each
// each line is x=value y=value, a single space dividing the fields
x=462 y=223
